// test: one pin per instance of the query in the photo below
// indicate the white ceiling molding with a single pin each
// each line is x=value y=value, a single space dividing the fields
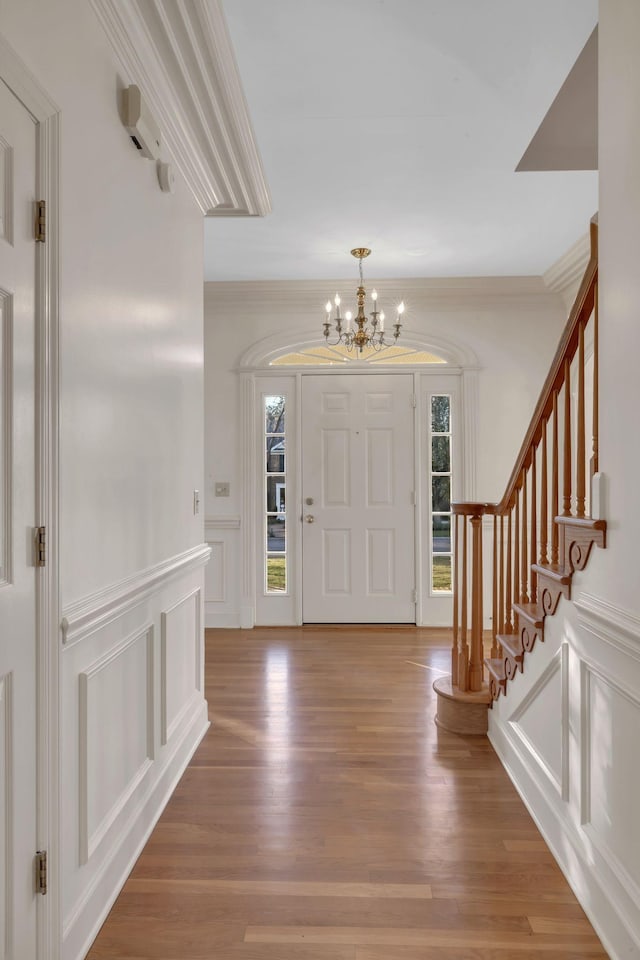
x=180 y=55
x=313 y=293
x=570 y=268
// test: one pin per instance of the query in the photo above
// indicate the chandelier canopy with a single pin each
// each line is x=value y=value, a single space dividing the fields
x=360 y=336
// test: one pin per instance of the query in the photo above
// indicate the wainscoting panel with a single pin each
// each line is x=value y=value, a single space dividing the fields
x=216 y=579
x=116 y=711
x=180 y=661
x=6 y=826
x=568 y=733
x=535 y=722
x=133 y=712
x=222 y=577
x=610 y=735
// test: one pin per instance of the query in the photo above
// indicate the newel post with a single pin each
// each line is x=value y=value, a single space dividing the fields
x=477 y=655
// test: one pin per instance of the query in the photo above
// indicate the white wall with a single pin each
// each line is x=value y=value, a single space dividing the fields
x=131 y=454
x=584 y=718
x=131 y=354
x=511 y=325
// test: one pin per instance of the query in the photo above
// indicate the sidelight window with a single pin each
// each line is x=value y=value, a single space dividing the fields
x=275 y=495
x=440 y=481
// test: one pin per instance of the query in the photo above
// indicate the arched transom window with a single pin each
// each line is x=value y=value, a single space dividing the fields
x=320 y=356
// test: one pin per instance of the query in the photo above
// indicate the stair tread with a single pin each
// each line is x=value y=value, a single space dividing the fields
x=512 y=643
x=552 y=570
x=531 y=612
x=497 y=669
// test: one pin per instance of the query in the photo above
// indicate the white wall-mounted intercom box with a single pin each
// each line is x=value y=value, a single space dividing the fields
x=141 y=127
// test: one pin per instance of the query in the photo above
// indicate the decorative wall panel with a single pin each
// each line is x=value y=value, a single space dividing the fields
x=116 y=734
x=6 y=827
x=535 y=721
x=610 y=773
x=6 y=191
x=180 y=661
x=6 y=469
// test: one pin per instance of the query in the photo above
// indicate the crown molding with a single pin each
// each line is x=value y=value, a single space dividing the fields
x=570 y=268
x=448 y=290
x=180 y=55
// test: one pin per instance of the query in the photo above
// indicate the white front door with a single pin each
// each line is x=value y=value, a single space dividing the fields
x=358 y=499
x=17 y=517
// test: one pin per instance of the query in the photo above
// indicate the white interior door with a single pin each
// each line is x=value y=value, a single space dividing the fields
x=358 y=499
x=17 y=510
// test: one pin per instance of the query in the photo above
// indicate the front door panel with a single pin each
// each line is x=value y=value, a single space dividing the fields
x=358 y=469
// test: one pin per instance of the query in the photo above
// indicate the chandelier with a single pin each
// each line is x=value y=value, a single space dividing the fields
x=360 y=336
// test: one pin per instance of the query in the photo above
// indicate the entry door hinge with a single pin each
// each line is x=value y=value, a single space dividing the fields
x=414 y=401
x=40 y=547
x=41 y=872
x=41 y=220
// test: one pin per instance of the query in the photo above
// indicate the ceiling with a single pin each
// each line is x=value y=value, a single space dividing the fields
x=398 y=125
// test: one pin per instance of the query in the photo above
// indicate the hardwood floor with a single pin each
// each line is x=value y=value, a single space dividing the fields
x=325 y=817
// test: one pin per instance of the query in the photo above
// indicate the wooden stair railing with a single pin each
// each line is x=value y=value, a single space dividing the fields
x=541 y=531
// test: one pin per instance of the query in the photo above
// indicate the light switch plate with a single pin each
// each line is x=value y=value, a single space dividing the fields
x=222 y=489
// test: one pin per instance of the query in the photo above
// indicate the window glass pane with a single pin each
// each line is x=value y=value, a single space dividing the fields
x=274 y=414
x=440 y=454
x=275 y=458
x=276 y=574
x=275 y=546
x=276 y=494
x=441 y=573
x=441 y=496
x=276 y=532
x=440 y=414
x=442 y=534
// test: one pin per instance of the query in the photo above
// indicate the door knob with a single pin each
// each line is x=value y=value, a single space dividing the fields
x=309 y=518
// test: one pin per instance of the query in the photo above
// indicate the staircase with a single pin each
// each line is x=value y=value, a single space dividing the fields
x=538 y=535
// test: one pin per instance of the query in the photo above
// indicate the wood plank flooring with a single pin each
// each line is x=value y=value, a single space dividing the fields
x=325 y=817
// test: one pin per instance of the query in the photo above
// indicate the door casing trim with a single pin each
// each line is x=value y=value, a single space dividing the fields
x=249 y=432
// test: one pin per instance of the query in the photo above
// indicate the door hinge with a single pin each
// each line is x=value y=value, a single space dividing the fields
x=414 y=401
x=41 y=872
x=414 y=596
x=41 y=220
x=40 y=547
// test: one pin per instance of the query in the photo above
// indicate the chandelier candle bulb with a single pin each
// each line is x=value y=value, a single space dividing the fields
x=337 y=303
x=348 y=316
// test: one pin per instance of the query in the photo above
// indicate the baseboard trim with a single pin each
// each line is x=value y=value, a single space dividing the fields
x=80 y=931
x=213 y=619
x=580 y=864
x=84 y=617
